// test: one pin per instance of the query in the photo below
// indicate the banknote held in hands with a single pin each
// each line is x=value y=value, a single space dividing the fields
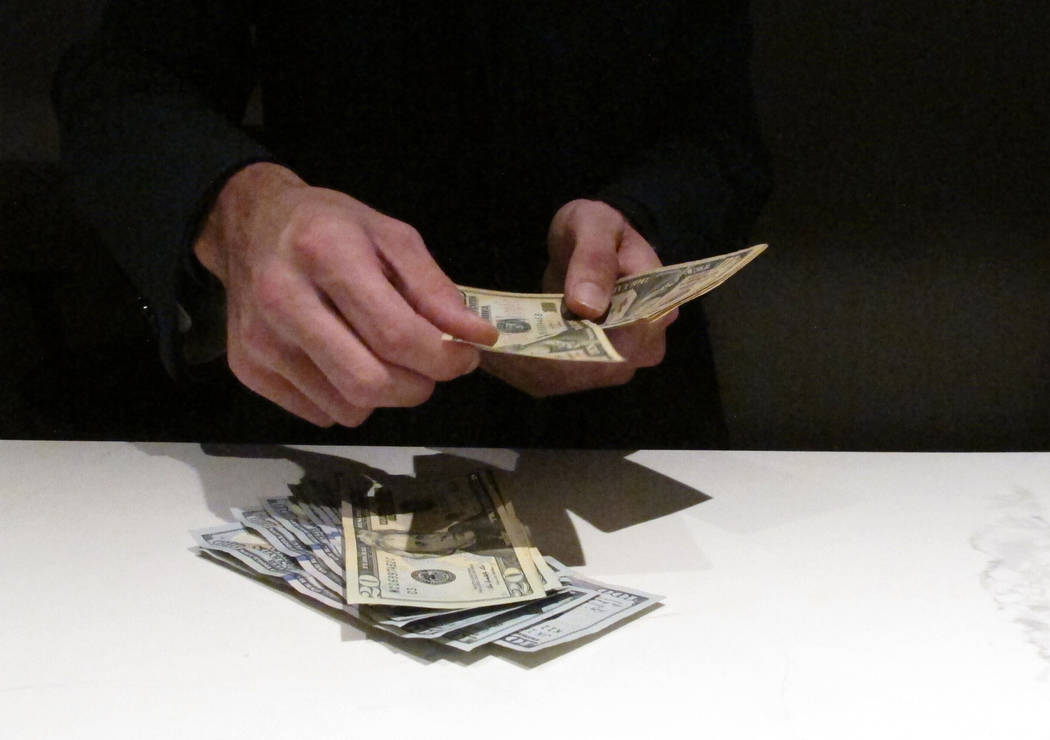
x=540 y=324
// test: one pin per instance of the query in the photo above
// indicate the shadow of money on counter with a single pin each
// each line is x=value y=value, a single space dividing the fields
x=603 y=487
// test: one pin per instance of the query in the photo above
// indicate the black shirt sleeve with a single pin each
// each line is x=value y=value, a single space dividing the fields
x=697 y=189
x=149 y=111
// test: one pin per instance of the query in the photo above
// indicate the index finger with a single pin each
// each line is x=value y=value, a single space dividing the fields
x=433 y=295
x=376 y=309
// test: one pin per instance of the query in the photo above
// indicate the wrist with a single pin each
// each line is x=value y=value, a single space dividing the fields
x=235 y=208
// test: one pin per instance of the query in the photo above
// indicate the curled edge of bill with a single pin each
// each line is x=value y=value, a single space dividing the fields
x=754 y=252
x=225 y=544
x=745 y=256
x=749 y=254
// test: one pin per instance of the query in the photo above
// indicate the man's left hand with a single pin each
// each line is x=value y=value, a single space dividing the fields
x=591 y=246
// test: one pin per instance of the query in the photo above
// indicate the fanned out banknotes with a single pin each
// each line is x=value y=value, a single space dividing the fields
x=540 y=325
x=444 y=560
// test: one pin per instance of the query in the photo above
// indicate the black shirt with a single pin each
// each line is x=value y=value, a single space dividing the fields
x=472 y=121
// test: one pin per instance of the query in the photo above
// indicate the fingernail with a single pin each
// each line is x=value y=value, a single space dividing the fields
x=591 y=296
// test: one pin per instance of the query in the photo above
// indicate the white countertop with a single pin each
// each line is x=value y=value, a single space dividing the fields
x=809 y=595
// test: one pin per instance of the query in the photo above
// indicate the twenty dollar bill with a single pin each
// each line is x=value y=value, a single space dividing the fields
x=444 y=544
x=540 y=324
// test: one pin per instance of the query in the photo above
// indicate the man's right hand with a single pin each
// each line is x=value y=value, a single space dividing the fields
x=333 y=309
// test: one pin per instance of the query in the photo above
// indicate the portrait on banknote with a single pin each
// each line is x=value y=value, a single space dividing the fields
x=478 y=534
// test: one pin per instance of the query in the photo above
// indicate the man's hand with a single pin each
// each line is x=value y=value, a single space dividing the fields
x=591 y=245
x=333 y=309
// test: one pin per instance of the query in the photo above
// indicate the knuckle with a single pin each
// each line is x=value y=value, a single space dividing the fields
x=246 y=371
x=270 y=290
x=353 y=417
x=577 y=209
x=569 y=210
x=358 y=420
x=421 y=393
x=620 y=376
x=653 y=355
x=658 y=355
x=443 y=293
x=462 y=362
x=367 y=388
x=312 y=246
x=391 y=340
x=313 y=222
x=240 y=366
x=445 y=373
x=254 y=343
x=409 y=234
x=402 y=235
x=318 y=239
x=649 y=355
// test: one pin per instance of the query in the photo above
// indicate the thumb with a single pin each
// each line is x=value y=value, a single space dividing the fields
x=596 y=230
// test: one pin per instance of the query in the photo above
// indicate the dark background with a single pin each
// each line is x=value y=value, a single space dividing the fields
x=903 y=302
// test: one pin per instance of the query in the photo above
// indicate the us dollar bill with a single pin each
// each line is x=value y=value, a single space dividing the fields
x=447 y=619
x=581 y=341
x=326 y=517
x=520 y=318
x=450 y=544
x=472 y=577
x=540 y=324
x=309 y=497
x=235 y=546
x=429 y=622
x=237 y=542
x=550 y=578
x=310 y=560
x=611 y=605
x=497 y=626
x=292 y=516
x=466 y=629
x=650 y=295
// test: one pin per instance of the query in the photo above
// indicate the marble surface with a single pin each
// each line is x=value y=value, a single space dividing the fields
x=809 y=595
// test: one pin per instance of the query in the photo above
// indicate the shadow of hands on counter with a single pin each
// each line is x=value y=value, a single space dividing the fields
x=600 y=486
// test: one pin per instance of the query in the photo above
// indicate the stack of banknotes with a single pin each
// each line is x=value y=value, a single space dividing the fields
x=444 y=560
x=540 y=325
